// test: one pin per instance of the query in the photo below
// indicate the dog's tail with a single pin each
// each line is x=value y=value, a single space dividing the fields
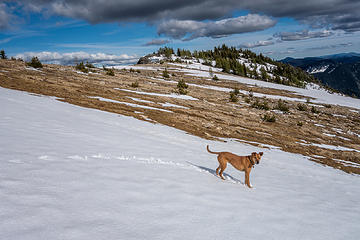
x=207 y=148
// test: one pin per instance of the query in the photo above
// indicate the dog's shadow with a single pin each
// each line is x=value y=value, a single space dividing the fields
x=213 y=172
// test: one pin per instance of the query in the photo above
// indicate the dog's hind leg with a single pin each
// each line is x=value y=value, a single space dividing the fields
x=217 y=170
x=222 y=166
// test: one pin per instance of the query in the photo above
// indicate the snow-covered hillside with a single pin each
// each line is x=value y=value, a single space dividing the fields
x=68 y=172
x=319 y=94
x=313 y=91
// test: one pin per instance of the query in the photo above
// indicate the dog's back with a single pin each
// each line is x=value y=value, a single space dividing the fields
x=239 y=162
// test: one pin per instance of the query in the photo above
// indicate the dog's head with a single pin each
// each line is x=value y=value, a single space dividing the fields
x=255 y=157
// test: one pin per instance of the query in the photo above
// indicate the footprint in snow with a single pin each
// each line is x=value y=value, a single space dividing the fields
x=77 y=157
x=15 y=161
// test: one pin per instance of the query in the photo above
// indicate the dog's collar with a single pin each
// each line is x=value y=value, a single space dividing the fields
x=251 y=162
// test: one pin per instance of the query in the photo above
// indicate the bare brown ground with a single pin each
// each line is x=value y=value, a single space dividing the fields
x=212 y=116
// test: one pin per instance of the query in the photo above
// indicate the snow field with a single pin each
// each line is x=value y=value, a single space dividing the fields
x=68 y=172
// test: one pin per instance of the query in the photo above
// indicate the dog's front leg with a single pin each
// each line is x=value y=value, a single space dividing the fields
x=247 y=179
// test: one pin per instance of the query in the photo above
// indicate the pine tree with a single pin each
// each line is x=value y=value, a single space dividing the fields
x=3 y=55
x=264 y=75
x=35 y=63
x=226 y=66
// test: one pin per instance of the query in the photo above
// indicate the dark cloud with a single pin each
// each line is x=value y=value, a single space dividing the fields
x=256 y=44
x=99 y=11
x=188 y=29
x=302 y=35
x=157 y=42
x=333 y=14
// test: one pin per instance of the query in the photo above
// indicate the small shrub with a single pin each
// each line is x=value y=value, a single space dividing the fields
x=81 y=67
x=89 y=65
x=327 y=105
x=132 y=70
x=247 y=100
x=300 y=124
x=314 y=110
x=181 y=87
x=138 y=71
x=282 y=106
x=110 y=72
x=35 y=63
x=215 y=78
x=135 y=84
x=207 y=63
x=182 y=91
x=233 y=97
x=269 y=118
x=236 y=91
x=261 y=105
x=166 y=73
x=302 y=107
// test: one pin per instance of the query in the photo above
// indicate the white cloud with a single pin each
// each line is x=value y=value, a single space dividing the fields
x=74 y=57
x=6 y=40
x=4 y=16
x=256 y=44
x=302 y=35
x=189 y=29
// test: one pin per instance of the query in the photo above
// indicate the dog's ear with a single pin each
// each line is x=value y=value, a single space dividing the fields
x=261 y=153
x=253 y=154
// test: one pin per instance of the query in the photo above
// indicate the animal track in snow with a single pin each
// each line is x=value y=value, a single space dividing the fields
x=15 y=161
x=77 y=157
x=152 y=160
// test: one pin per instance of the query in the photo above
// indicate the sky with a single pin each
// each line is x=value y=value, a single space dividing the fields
x=119 y=32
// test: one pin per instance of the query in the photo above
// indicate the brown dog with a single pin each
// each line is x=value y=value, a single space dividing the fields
x=242 y=163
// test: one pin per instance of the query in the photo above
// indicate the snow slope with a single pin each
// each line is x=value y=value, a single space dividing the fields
x=68 y=172
x=312 y=90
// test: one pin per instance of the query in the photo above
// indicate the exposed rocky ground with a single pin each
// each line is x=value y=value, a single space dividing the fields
x=329 y=134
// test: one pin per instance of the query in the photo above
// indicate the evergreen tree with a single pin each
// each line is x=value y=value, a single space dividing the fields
x=246 y=70
x=35 y=63
x=166 y=51
x=226 y=66
x=2 y=54
x=264 y=75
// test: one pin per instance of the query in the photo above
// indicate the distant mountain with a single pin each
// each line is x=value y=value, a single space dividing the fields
x=341 y=55
x=338 y=71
